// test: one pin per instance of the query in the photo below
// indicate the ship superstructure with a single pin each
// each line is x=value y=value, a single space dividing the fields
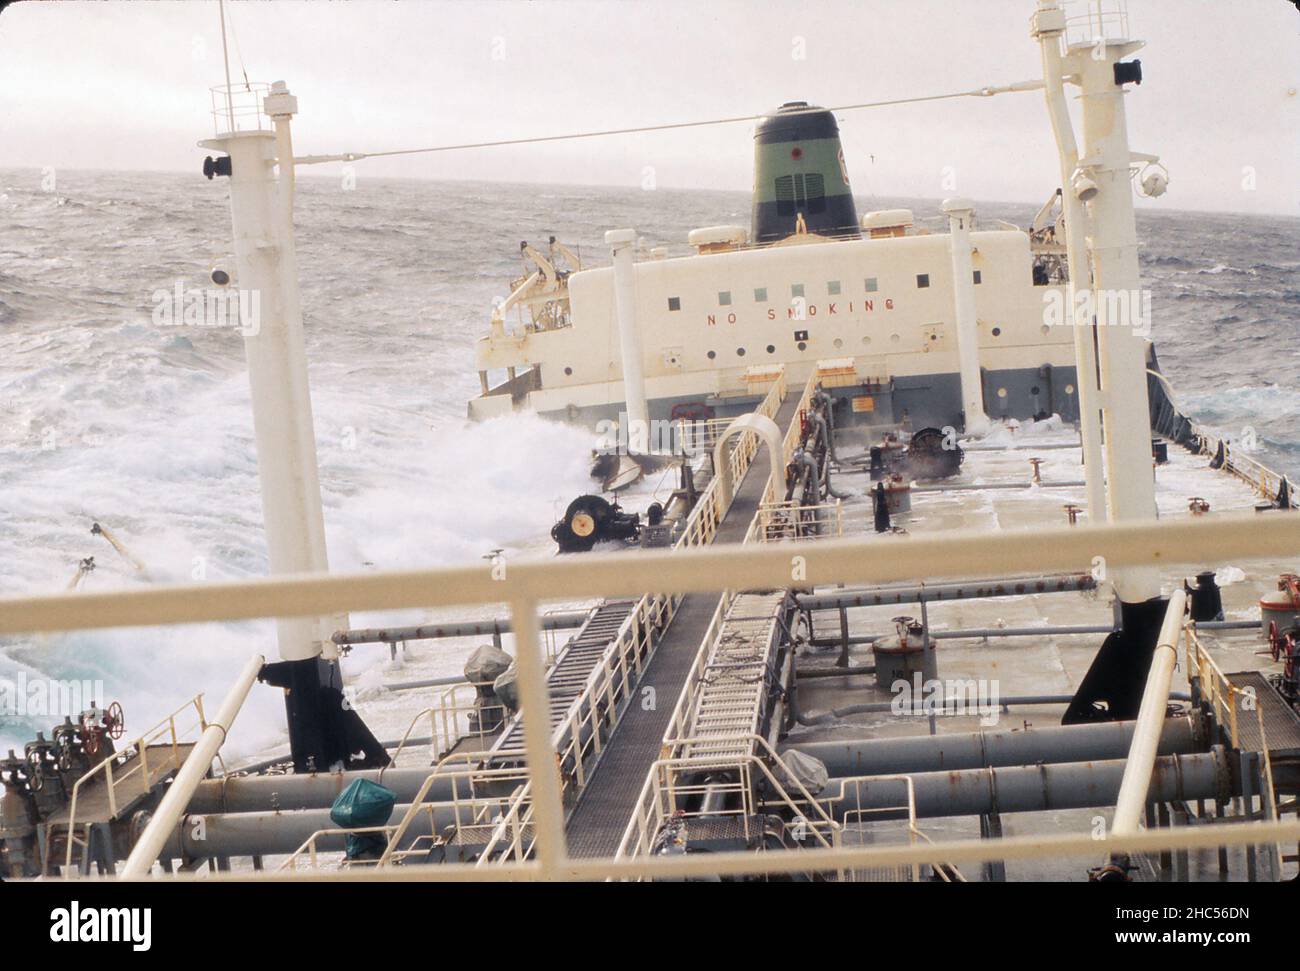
x=809 y=286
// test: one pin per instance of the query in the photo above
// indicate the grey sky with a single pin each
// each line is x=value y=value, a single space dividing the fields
x=124 y=85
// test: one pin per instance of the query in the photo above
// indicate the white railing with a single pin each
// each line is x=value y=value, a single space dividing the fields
x=1203 y=541
x=853 y=813
x=787 y=519
x=1224 y=699
x=1090 y=21
x=239 y=107
x=664 y=793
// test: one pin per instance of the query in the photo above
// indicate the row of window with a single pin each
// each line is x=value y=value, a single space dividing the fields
x=797 y=290
x=801 y=339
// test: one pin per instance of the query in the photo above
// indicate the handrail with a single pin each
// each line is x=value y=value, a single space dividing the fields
x=1254 y=473
x=165 y=727
x=197 y=765
x=1221 y=695
x=786 y=519
x=1150 y=720
x=639 y=834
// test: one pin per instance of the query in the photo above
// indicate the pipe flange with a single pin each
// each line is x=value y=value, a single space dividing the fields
x=1222 y=773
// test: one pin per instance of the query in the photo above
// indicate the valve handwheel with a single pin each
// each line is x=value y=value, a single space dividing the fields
x=1274 y=641
x=116 y=721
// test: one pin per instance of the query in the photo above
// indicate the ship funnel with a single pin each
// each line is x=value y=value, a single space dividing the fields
x=800 y=180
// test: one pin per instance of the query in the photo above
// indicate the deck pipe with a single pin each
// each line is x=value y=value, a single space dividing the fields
x=974 y=750
x=968 y=706
x=1031 y=788
x=290 y=793
x=969 y=792
x=980 y=486
x=976 y=632
x=976 y=590
x=463 y=628
x=199 y=836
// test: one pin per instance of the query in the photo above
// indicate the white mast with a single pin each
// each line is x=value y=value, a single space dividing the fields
x=961 y=214
x=262 y=214
x=1102 y=181
x=1049 y=28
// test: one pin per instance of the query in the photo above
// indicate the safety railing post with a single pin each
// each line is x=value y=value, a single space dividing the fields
x=548 y=808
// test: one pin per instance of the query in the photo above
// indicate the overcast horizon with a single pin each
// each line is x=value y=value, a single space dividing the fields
x=375 y=76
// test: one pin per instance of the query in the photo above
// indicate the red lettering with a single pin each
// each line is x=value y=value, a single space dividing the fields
x=869 y=305
x=731 y=318
x=831 y=309
x=889 y=304
x=812 y=310
x=771 y=314
x=712 y=320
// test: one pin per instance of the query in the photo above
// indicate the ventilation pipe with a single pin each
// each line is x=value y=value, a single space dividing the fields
x=621 y=242
x=961 y=213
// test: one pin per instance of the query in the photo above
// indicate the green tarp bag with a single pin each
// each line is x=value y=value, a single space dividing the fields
x=363 y=804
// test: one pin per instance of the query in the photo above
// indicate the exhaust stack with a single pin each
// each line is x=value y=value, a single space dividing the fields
x=800 y=174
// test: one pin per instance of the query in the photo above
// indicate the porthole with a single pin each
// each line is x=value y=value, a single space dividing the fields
x=838 y=343
x=568 y=371
x=866 y=340
x=1034 y=390
x=803 y=346
x=771 y=348
x=740 y=352
x=1069 y=389
x=997 y=331
x=1045 y=329
x=1002 y=392
x=711 y=355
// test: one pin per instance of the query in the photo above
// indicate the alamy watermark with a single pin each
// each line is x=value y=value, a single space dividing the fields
x=184 y=306
x=657 y=436
x=26 y=697
x=922 y=696
x=1115 y=308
